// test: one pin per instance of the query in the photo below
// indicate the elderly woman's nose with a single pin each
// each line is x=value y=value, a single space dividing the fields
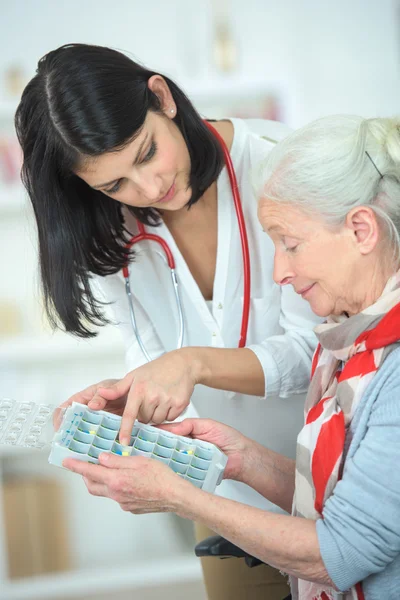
x=282 y=272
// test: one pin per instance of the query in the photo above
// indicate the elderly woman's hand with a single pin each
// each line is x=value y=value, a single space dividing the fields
x=235 y=445
x=139 y=485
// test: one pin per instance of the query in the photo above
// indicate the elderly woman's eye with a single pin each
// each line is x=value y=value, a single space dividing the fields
x=291 y=248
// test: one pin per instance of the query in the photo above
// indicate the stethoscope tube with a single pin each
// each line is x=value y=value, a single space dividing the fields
x=143 y=235
x=243 y=236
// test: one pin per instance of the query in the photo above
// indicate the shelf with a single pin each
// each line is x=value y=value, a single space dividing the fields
x=212 y=88
x=38 y=349
x=230 y=88
x=179 y=568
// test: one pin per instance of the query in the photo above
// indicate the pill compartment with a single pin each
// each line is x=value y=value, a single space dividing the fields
x=147 y=436
x=30 y=440
x=105 y=433
x=162 y=451
x=79 y=447
x=196 y=473
x=166 y=441
x=178 y=467
x=185 y=447
x=136 y=452
x=6 y=404
x=40 y=419
x=144 y=445
x=94 y=452
x=203 y=452
x=20 y=418
x=80 y=436
x=88 y=429
x=102 y=444
x=91 y=418
x=111 y=423
x=198 y=462
x=118 y=448
x=181 y=457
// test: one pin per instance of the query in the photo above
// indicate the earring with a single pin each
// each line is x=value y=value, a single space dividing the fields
x=172 y=110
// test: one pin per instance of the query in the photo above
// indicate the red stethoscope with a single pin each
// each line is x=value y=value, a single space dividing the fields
x=142 y=235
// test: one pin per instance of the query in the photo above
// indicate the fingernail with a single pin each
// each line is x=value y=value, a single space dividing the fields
x=104 y=457
x=94 y=403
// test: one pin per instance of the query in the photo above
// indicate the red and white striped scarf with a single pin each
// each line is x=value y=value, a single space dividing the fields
x=350 y=351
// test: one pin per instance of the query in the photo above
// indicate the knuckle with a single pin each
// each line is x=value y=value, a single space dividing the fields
x=116 y=486
x=140 y=387
x=91 y=490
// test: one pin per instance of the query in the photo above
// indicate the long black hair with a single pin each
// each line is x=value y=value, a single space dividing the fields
x=84 y=101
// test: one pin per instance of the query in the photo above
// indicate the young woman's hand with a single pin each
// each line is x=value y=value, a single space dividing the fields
x=156 y=392
x=235 y=445
x=139 y=485
x=86 y=396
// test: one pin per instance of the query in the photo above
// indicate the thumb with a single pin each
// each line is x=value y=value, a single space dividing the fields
x=187 y=427
x=112 y=461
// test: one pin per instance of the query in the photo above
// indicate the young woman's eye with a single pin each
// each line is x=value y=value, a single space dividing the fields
x=151 y=152
x=114 y=188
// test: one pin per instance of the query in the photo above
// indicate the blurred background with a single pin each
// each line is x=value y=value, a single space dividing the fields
x=292 y=60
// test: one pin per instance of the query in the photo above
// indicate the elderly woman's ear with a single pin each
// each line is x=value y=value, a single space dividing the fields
x=363 y=226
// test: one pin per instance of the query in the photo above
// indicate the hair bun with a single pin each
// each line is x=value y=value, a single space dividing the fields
x=392 y=141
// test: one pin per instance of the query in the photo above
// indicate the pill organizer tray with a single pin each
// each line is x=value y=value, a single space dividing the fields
x=84 y=434
x=25 y=423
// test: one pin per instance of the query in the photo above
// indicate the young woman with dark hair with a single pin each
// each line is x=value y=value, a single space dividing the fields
x=110 y=146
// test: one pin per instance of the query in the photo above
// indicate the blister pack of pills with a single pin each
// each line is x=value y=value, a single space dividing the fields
x=84 y=434
x=26 y=423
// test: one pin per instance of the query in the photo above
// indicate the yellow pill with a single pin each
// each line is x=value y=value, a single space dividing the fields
x=125 y=454
x=92 y=432
x=190 y=451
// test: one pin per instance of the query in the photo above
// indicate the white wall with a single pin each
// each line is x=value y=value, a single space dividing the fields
x=340 y=56
x=337 y=56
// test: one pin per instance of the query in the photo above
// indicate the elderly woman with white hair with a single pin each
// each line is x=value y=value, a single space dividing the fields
x=330 y=200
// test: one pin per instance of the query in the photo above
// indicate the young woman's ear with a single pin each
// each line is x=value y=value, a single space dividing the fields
x=159 y=87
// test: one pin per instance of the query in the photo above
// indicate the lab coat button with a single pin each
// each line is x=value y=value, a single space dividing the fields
x=220 y=307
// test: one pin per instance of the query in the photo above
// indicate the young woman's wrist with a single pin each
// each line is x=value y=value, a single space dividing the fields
x=196 y=363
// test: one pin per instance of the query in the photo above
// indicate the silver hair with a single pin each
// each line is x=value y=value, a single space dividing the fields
x=335 y=164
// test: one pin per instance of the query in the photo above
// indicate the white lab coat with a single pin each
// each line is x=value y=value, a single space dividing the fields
x=280 y=328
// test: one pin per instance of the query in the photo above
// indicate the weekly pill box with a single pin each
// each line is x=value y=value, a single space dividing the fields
x=84 y=434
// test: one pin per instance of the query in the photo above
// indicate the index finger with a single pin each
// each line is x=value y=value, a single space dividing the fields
x=129 y=415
